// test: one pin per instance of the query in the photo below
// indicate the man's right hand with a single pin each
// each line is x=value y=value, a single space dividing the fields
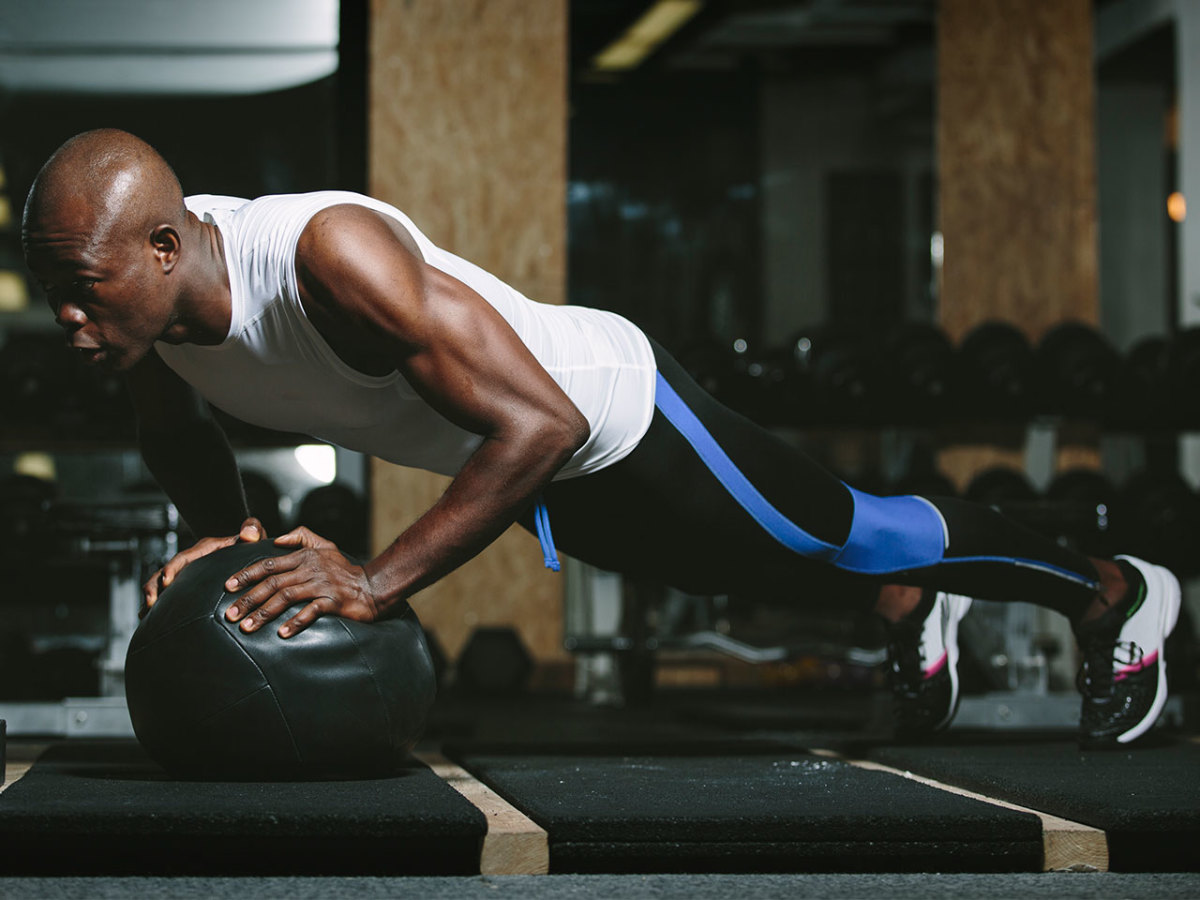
x=252 y=530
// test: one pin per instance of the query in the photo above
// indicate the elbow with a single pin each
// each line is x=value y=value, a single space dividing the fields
x=565 y=435
x=580 y=431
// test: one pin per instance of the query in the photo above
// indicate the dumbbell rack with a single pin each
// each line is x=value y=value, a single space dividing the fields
x=130 y=539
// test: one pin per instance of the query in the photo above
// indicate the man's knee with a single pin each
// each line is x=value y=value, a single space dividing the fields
x=892 y=534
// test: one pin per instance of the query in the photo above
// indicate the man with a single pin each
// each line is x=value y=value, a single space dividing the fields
x=332 y=314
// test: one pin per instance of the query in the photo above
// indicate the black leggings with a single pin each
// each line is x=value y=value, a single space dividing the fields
x=711 y=503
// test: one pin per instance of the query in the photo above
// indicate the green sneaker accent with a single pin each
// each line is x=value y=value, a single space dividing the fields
x=1138 y=602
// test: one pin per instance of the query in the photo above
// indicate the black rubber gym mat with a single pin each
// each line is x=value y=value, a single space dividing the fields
x=102 y=807
x=1147 y=799
x=764 y=812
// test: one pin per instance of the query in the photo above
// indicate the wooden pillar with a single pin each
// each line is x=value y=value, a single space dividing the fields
x=467 y=120
x=1017 y=171
x=1016 y=157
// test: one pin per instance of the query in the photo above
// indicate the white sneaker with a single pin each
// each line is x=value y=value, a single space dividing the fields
x=923 y=657
x=1124 y=674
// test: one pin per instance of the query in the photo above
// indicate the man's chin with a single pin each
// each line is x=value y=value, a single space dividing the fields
x=108 y=361
x=120 y=363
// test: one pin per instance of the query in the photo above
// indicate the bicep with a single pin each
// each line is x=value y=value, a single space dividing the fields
x=456 y=350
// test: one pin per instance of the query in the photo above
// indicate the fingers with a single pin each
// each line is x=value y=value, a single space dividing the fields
x=311 y=612
x=168 y=573
x=315 y=577
x=184 y=558
x=276 y=586
x=150 y=593
x=302 y=537
x=251 y=531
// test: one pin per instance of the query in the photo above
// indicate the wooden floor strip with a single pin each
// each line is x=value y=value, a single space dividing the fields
x=1066 y=846
x=514 y=844
x=20 y=759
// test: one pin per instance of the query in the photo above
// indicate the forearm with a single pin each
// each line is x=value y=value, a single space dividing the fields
x=485 y=498
x=196 y=467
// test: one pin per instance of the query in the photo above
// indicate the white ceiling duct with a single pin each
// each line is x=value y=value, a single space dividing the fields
x=139 y=47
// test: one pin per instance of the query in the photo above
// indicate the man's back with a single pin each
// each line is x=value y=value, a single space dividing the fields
x=278 y=370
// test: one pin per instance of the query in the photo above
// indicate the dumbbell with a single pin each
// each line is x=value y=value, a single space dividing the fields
x=842 y=374
x=1143 y=394
x=1079 y=371
x=713 y=363
x=1083 y=503
x=336 y=512
x=921 y=374
x=1001 y=486
x=997 y=366
x=1160 y=520
x=923 y=481
x=776 y=387
x=753 y=383
x=493 y=662
x=756 y=384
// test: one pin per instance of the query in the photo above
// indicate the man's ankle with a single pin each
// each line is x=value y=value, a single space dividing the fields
x=898 y=603
x=1121 y=584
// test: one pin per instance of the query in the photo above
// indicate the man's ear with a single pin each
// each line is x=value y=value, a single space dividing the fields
x=165 y=242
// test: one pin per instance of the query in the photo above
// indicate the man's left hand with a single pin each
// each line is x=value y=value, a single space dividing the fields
x=316 y=575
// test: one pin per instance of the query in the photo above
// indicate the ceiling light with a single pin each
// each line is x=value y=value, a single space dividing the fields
x=651 y=29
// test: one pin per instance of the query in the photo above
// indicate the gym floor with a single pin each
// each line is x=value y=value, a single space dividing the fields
x=696 y=794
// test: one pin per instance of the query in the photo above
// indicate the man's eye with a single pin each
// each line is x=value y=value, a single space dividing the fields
x=84 y=284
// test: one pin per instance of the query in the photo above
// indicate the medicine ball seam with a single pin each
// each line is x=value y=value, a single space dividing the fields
x=147 y=644
x=286 y=724
x=241 y=699
x=374 y=681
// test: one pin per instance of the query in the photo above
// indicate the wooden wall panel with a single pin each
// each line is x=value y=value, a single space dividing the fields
x=1016 y=159
x=1017 y=175
x=467 y=119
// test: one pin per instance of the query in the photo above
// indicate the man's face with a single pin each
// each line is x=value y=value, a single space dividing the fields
x=101 y=286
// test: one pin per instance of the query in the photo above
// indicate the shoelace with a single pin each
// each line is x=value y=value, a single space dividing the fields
x=1099 y=658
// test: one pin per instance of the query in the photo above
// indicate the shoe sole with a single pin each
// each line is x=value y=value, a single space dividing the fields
x=1165 y=581
x=958 y=606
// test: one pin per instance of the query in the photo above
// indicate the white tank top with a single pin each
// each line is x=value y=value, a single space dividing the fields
x=275 y=370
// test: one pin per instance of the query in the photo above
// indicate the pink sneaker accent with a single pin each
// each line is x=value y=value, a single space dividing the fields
x=1145 y=663
x=937 y=666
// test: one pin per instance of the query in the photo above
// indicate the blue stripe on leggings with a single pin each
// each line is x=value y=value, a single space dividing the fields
x=887 y=534
x=1031 y=564
x=730 y=476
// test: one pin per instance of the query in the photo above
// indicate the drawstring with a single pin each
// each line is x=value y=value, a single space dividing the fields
x=542 y=517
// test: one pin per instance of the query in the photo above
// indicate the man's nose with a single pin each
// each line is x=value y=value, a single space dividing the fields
x=70 y=316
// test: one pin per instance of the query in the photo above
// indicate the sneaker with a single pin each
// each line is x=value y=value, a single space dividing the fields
x=923 y=657
x=1123 y=678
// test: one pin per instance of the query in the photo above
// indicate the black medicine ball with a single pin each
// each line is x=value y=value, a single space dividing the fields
x=341 y=699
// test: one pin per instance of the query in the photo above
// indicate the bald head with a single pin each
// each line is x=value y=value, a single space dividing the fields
x=108 y=182
x=122 y=262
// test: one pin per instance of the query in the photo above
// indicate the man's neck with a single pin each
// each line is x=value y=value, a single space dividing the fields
x=205 y=308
